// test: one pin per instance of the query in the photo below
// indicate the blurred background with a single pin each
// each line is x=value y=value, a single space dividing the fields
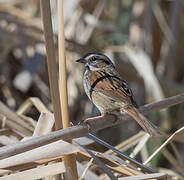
x=144 y=38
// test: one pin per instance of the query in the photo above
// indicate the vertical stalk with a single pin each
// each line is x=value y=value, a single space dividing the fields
x=69 y=160
x=51 y=61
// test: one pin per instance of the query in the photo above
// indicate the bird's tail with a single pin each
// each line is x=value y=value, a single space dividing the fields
x=143 y=121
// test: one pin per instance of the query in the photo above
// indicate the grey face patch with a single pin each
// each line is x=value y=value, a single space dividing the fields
x=96 y=62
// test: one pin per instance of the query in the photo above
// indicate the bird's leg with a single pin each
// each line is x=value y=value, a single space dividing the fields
x=87 y=121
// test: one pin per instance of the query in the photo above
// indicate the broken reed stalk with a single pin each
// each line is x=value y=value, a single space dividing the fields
x=51 y=61
x=69 y=160
x=78 y=131
x=14 y=121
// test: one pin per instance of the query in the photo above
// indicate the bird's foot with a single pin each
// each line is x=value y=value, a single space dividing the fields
x=87 y=121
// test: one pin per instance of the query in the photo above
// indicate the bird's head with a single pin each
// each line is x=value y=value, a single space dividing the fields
x=96 y=62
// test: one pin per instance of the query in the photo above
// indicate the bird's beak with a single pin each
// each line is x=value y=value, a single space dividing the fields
x=81 y=60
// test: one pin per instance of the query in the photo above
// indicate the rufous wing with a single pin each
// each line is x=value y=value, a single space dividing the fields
x=114 y=87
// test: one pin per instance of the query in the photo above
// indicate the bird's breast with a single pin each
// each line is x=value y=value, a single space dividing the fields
x=86 y=82
x=91 y=81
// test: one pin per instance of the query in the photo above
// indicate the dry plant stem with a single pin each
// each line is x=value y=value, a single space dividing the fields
x=165 y=103
x=125 y=157
x=163 y=145
x=87 y=167
x=33 y=101
x=39 y=155
x=77 y=131
x=69 y=160
x=140 y=145
x=89 y=30
x=62 y=68
x=169 y=156
x=51 y=61
x=160 y=176
x=177 y=154
x=127 y=143
x=163 y=23
x=15 y=121
x=37 y=173
x=101 y=165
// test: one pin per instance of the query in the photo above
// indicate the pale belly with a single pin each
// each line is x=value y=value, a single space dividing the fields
x=104 y=103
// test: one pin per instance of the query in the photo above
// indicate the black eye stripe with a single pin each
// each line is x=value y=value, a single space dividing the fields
x=107 y=62
x=95 y=58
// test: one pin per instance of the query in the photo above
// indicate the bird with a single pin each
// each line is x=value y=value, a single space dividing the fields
x=109 y=92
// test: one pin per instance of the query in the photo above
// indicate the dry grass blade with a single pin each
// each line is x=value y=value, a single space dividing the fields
x=127 y=143
x=101 y=164
x=6 y=132
x=177 y=155
x=33 y=101
x=88 y=175
x=89 y=30
x=15 y=122
x=163 y=145
x=87 y=167
x=162 y=104
x=115 y=165
x=70 y=27
x=170 y=157
x=112 y=162
x=37 y=173
x=51 y=61
x=59 y=148
x=146 y=176
x=178 y=137
x=4 y=171
x=5 y=140
x=121 y=162
x=29 y=120
x=70 y=161
x=140 y=145
x=121 y=167
x=144 y=153
x=163 y=23
x=62 y=67
x=77 y=131
x=170 y=173
x=44 y=125
x=146 y=71
x=133 y=161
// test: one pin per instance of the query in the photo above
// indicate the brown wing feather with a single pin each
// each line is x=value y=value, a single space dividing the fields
x=113 y=87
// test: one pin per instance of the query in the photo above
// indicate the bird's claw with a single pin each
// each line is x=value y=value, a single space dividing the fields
x=86 y=123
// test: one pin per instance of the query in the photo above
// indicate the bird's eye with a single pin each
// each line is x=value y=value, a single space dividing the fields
x=93 y=58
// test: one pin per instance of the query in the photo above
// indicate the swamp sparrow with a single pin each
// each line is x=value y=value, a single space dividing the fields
x=109 y=91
